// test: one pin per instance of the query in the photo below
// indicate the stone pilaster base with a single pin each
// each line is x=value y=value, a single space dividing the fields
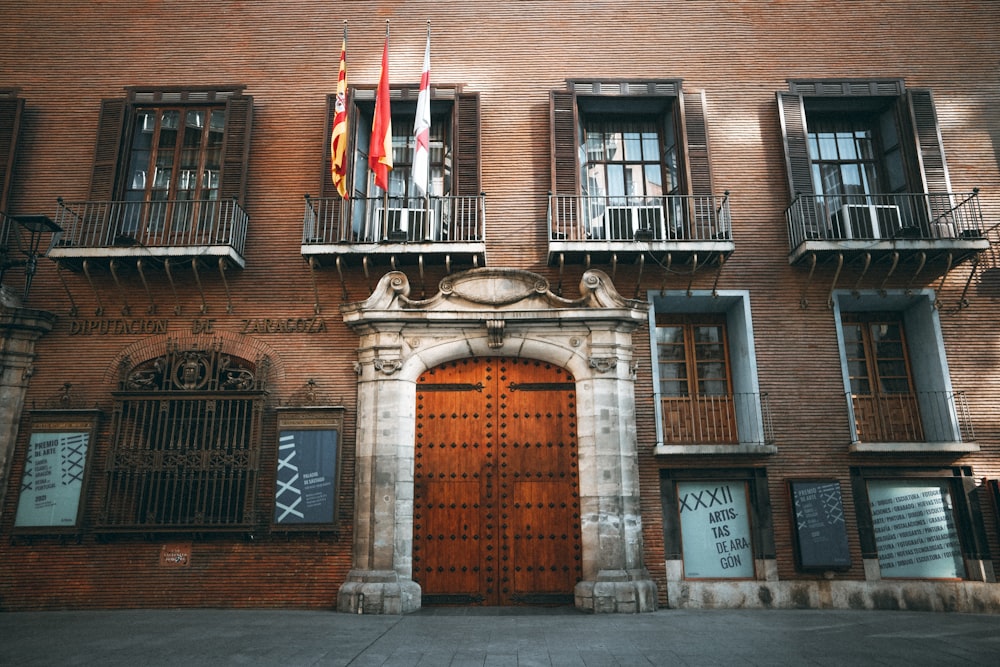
x=378 y=592
x=617 y=592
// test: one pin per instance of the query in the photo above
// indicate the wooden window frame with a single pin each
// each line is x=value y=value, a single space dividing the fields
x=696 y=416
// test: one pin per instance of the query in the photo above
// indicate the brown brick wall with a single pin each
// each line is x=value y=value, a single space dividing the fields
x=67 y=56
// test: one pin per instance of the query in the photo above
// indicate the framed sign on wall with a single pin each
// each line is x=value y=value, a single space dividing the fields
x=819 y=528
x=55 y=471
x=307 y=480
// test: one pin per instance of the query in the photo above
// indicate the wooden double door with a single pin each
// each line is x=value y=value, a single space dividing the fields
x=496 y=510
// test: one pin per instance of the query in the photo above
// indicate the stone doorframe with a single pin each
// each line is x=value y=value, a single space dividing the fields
x=496 y=312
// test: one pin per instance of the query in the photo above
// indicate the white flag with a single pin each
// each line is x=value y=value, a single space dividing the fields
x=422 y=125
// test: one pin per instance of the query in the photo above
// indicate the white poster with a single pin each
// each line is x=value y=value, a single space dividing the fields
x=53 y=478
x=715 y=530
x=915 y=531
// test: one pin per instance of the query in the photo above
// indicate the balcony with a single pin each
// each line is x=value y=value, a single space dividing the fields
x=722 y=424
x=676 y=229
x=150 y=234
x=395 y=231
x=917 y=422
x=922 y=226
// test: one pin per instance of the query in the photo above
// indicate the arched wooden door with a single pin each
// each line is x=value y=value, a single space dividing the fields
x=496 y=509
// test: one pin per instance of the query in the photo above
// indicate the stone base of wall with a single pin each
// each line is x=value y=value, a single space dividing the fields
x=378 y=592
x=617 y=592
x=960 y=596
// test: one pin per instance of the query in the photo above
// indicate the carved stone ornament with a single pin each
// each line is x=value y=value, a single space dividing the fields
x=603 y=364
x=495 y=328
x=387 y=366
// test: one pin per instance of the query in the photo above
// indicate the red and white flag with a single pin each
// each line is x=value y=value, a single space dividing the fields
x=338 y=134
x=380 y=151
x=422 y=124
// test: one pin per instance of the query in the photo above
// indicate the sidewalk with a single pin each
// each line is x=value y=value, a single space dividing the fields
x=493 y=637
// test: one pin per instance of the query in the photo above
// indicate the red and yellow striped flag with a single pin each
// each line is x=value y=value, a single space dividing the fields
x=338 y=135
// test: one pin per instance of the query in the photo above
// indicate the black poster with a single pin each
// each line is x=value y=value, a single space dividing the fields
x=820 y=531
x=305 y=485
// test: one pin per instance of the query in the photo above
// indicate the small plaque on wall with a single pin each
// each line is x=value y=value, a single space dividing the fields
x=820 y=529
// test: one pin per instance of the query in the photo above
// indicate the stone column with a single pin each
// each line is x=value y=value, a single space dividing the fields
x=381 y=578
x=615 y=579
x=20 y=328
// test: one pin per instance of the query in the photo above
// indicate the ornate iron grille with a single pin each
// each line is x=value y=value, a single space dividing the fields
x=185 y=443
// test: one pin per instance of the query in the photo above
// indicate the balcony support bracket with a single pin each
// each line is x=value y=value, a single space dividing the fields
x=225 y=284
x=803 y=301
x=836 y=275
x=920 y=267
x=313 y=264
x=892 y=269
x=718 y=273
x=140 y=267
x=666 y=272
x=113 y=265
x=638 y=278
x=944 y=274
x=73 y=310
x=197 y=281
x=97 y=295
x=866 y=264
x=562 y=265
x=694 y=268
x=173 y=287
x=963 y=302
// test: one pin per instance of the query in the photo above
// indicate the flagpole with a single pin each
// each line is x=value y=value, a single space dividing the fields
x=427 y=191
x=385 y=193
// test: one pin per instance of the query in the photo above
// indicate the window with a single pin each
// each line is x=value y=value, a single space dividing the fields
x=896 y=373
x=630 y=161
x=174 y=166
x=865 y=159
x=185 y=443
x=168 y=165
x=451 y=212
x=705 y=384
x=716 y=522
x=694 y=380
x=920 y=523
x=885 y=405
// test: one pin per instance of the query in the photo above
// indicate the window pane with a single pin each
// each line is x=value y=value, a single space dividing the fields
x=715 y=529
x=915 y=531
x=827 y=146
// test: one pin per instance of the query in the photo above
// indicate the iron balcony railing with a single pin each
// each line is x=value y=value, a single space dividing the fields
x=929 y=416
x=674 y=218
x=152 y=224
x=726 y=419
x=880 y=217
x=446 y=219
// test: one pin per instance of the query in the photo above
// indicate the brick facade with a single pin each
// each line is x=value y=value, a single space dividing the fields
x=63 y=59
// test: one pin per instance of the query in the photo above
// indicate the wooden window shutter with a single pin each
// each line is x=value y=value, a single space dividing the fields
x=110 y=128
x=562 y=116
x=791 y=113
x=10 y=124
x=697 y=168
x=467 y=169
x=930 y=149
x=236 y=148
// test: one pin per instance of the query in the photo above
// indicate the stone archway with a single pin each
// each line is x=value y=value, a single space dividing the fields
x=496 y=312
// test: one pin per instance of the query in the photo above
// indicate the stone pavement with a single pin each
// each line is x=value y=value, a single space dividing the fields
x=493 y=637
